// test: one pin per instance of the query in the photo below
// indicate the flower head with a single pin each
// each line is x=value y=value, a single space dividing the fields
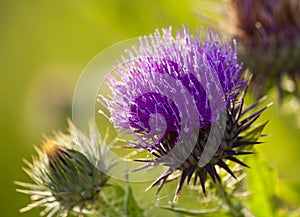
x=178 y=96
x=269 y=38
x=154 y=87
x=66 y=178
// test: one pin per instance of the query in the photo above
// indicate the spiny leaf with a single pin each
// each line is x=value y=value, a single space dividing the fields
x=190 y=212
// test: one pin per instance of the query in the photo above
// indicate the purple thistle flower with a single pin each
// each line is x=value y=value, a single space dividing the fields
x=173 y=89
x=190 y=62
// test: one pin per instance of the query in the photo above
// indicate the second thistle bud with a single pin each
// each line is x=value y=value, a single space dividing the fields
x=73 y=180
x=68 y=174
x=269 y=39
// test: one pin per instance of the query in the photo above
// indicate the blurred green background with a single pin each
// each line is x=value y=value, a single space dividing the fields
x=45 y=45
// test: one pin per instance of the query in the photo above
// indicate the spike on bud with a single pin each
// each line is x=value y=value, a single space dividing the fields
x=51 y=149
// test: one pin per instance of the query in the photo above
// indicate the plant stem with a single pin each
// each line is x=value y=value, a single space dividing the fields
x=235 y=210
x=103 y=206
x=127 y=192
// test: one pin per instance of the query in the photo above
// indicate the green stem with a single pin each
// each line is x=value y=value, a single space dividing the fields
x=103 y=206
x=235 y=210
x=127 y=193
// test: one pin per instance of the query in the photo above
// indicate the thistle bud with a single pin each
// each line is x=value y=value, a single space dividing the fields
x=66 y=180
x=269 y=40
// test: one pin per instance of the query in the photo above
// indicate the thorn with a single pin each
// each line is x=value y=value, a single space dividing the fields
x=223 y=165
x=245 y=143
x=180 y=183
x=232 y=152
x=190 y=173
x=209 y=169
x=237 y=161
x=202 y=176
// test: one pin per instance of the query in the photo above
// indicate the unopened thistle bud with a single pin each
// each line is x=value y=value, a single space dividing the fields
x=179 y=96
x=268 y=33
x=66 y=178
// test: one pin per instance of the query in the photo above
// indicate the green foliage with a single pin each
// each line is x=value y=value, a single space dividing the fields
x=189 y=212
x=268 y=197
x=117 y=201
x=261 y=182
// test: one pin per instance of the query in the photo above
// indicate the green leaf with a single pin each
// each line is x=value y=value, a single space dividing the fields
x=122 y=202
x=261 y=184
x=189 y=212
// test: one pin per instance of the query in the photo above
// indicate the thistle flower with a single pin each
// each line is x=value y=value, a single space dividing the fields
x=68 y=174
x=169 y=70
x=176 y=90
x=268 y=32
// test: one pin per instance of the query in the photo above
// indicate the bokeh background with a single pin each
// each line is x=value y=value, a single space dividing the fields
x=45 y=45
